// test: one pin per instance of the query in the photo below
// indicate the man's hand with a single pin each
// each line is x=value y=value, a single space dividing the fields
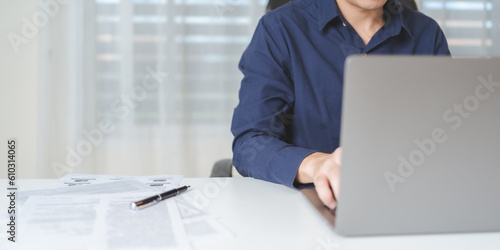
x=324 y=171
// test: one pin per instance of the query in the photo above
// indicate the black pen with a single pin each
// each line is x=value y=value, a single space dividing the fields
x=157 y=198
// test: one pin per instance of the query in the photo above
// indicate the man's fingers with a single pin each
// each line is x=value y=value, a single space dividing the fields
x=326 y=178
x=325 y=192
x=337 y=156
x=334 y=176
x=334 y=180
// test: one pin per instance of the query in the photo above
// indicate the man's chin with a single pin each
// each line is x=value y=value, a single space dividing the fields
x=369 y=4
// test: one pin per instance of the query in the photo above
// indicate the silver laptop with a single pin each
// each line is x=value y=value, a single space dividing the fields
x=421 y=146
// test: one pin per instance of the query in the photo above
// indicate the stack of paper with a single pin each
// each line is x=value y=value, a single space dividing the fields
x=93 y=212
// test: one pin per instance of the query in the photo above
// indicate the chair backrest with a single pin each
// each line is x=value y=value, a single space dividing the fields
x=273 y=4
x=409 y=3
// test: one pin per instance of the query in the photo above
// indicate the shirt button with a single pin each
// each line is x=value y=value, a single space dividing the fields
x=343 y=24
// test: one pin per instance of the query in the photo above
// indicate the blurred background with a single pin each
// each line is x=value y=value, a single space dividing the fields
x=144 y=87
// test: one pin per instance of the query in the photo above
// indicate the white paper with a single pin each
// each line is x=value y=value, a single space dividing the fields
x=188 y=210
x=201 y=227
x=206 y=230
x=123 y=186
x=198 y=226
x=99 y=222
x=161 y=182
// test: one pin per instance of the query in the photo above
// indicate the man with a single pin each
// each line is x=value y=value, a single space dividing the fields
x=287 y=125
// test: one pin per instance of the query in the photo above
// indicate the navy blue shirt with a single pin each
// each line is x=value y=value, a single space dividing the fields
x=291 y=93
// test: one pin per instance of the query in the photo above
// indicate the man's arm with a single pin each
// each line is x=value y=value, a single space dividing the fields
x=441 y=45
x=261 y=119
x=260 y=147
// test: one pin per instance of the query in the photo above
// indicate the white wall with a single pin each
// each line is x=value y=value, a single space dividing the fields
x=18 y=88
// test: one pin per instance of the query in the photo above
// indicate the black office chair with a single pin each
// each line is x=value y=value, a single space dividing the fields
x=224 y=167
x=273 y=4
x=410 y=4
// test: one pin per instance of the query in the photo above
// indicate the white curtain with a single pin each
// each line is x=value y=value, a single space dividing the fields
x=472 y=27
x=141 y=86
x=148 y=86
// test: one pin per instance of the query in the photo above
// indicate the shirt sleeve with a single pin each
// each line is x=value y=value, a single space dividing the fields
x=265 y=108
x=441 y=44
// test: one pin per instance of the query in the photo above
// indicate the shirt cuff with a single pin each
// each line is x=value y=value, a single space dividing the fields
x=287 y=163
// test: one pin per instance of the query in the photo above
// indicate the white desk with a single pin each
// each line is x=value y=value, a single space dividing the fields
x=268 y=216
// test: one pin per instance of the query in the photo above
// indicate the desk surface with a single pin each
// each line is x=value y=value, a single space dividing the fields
x=263 y=215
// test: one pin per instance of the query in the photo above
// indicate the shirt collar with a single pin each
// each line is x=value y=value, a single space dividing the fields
x=328 y=11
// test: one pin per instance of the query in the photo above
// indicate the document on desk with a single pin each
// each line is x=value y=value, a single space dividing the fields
x=123 y=186
x=201 y=227
x=162 y=182
x=197 y=225
x=98 y=222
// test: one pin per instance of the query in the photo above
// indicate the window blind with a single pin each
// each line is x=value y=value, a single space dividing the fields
x=472 y=27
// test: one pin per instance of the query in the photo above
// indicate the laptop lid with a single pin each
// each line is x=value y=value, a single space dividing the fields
x=421 y=146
